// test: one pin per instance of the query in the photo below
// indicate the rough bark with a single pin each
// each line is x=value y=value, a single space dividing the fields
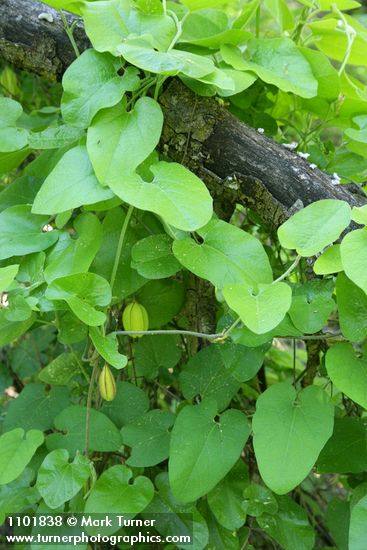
x=238 y=164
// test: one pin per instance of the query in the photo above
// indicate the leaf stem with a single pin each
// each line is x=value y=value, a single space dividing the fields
x=69 y=29
x=351 y=35
x=289 y=270
x=89 y=406
x=119 y=245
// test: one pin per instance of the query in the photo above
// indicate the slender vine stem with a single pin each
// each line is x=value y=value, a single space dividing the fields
x=289 y=270
x=69 y=29
x=351 y=35
x=89 y=406
x=119 y=245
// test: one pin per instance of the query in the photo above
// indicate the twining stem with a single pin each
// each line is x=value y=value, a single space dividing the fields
x=89 y=405
x=221 y=335
x=289 y=270
x=69 y=29
x=119 y=245
x=173 y=331
x=351 y=35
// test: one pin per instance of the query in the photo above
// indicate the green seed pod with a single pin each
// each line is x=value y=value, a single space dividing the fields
x=107 y=384
x=135 y=317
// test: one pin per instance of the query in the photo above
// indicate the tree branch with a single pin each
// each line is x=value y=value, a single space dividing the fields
x=238 y=164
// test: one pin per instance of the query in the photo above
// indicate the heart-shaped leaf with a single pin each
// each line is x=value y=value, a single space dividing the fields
x=11 y=137
x=261 y=309
x=227 y=255
x=7 y=275
x=198 y=440
x=114 y=491
x=353 y=251
x=82 y=292
x=148 y=436
x=107 y=347
x=290 y=429
x=119 y=140
x=314 y=227
x=352 y=309
x=21 y=232
x=169 y=195
x=99 y=87
x=348 y=372
x=71 y=184
x=59 y=480
x=17 y=450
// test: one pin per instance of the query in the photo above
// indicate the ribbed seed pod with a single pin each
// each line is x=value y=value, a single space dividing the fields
x=107 y=384
x=135 y=317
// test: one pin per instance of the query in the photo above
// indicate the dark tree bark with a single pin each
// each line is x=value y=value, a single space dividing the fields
x=238 y=164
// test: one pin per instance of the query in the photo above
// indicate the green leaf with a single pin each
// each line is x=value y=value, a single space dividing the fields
x=337 y=521
x=290 y=429
x=357 y=527
x=276 y=61
x=60 y=371
x=82 y=292
x=219 y=537
x=21 y=232
x=348 y=372
x=17 y=449
x=352 y=309
x=149 y=437
x=153 y=258
x=261 y=308
x=225 y=500
x=114 y=491
x=311 y=306
x=359 y=215
x=353 y=251
x=174 y=517
x=129 y=404
x=127 y=279
x=196 y=440
x=58 y=480
x=71 y=184
x=259 y=500
x=154 y=353
x=17 y=495
x=11 y=137
x=227 y=255
x=119 y=140
x=314 y=227
x=290 y=526
x=140 y=54
x=7 y=276
x=91 y=83
x=241 y=362
x=209 y=28
x=326 y=75
x=9 y=161
x=331 y=39
x=107 y=347
x=71 y=425
x=71 y=329
x=121 y=19
x=75 y=255
x=21 y=191
x=206 y=375
x=169 y=195
x=35 y=408
x=329 y=262
x=11 y=330
x=346 y=450
x=54 y=137
x=163 y=299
